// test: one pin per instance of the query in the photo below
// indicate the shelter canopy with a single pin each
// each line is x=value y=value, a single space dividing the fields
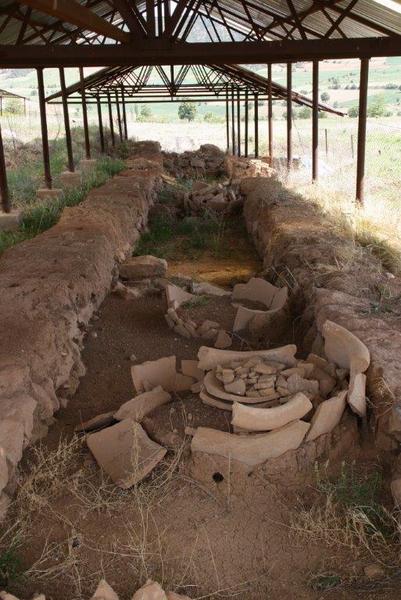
x=126 y=32
x=200 y=82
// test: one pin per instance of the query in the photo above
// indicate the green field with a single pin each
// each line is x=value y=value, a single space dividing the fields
x=339 y=79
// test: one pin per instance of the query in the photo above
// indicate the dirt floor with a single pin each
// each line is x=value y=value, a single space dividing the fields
x=236 y=540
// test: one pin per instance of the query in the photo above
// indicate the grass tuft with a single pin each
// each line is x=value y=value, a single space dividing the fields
x=10 y=567
x=41 y=217
x=349 y=513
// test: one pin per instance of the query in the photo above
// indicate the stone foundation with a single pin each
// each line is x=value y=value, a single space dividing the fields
x=51 y=285
x=10 y=221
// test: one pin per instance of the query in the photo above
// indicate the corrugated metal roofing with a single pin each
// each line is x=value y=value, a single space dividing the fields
x=368 y=18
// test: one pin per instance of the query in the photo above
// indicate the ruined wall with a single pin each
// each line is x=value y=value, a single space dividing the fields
x=331 y=277
x=50 y=287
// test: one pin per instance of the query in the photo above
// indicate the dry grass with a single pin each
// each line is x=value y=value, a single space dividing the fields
x=348 y=513
x=376 y=226
x=61 y=489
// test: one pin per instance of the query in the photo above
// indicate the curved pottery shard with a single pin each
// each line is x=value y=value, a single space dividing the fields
x=153 y=373
x=344 y=348
x=257 y=290
x=142 y=405
x=250 y=449
x=104 y=592
x=327 y=416
x=211 y=357
x=265 y=419
x=210 y=401
x=216 y=388
x=177 y=296
x=357 y=394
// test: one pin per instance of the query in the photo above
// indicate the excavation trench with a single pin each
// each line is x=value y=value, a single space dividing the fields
x=202 y=525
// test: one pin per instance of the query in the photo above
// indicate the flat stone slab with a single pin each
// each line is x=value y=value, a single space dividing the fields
x=143 y=267
x=10 y=221
x=70 y=179
x=48 y=194
x=87 y=164
x=125 y=452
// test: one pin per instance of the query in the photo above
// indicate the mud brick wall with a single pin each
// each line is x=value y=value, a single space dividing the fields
x=50 y=287
x=333 y=278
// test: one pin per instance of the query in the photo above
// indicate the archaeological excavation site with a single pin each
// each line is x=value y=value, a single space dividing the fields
x=200 y=358
x=167 y=423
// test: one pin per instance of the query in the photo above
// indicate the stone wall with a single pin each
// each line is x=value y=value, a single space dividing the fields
x=50 y=287
x=332 y=277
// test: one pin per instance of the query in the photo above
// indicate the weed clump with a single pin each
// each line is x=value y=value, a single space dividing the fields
x=349 y=512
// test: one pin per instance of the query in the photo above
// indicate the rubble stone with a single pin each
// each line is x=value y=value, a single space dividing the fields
x=142 y=267
x=236 y=387
x=223 y=340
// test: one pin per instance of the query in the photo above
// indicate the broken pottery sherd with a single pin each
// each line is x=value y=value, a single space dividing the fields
x=176 y=296
x=215 y=388
x=344 y=348
x=327 y=416
x=125 y=452
x=190 y=368
x=211 y=357
x=251 y=418
x=251 y=449
x=104 y=592
x=296 y=384
x=207 y=326
x=142 y=405
x=152 y=373
x=223 y=340
x=210 y=401
x=357 y=394
x=150 y=591
x=237 y=387
x=257 y=290
x=98 y=422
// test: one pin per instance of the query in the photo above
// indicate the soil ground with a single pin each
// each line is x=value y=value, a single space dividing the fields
x=202 y=541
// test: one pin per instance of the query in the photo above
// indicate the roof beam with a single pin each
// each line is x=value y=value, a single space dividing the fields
x=76 y=14
x=152 y=52
x=131 y=19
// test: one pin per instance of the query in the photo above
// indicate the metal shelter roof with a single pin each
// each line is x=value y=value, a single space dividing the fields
x=166 y=82
x=7 y=94
x=106 y=32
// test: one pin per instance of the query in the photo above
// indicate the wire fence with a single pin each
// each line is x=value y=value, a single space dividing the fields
x=338 y=155
x=337 y=146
